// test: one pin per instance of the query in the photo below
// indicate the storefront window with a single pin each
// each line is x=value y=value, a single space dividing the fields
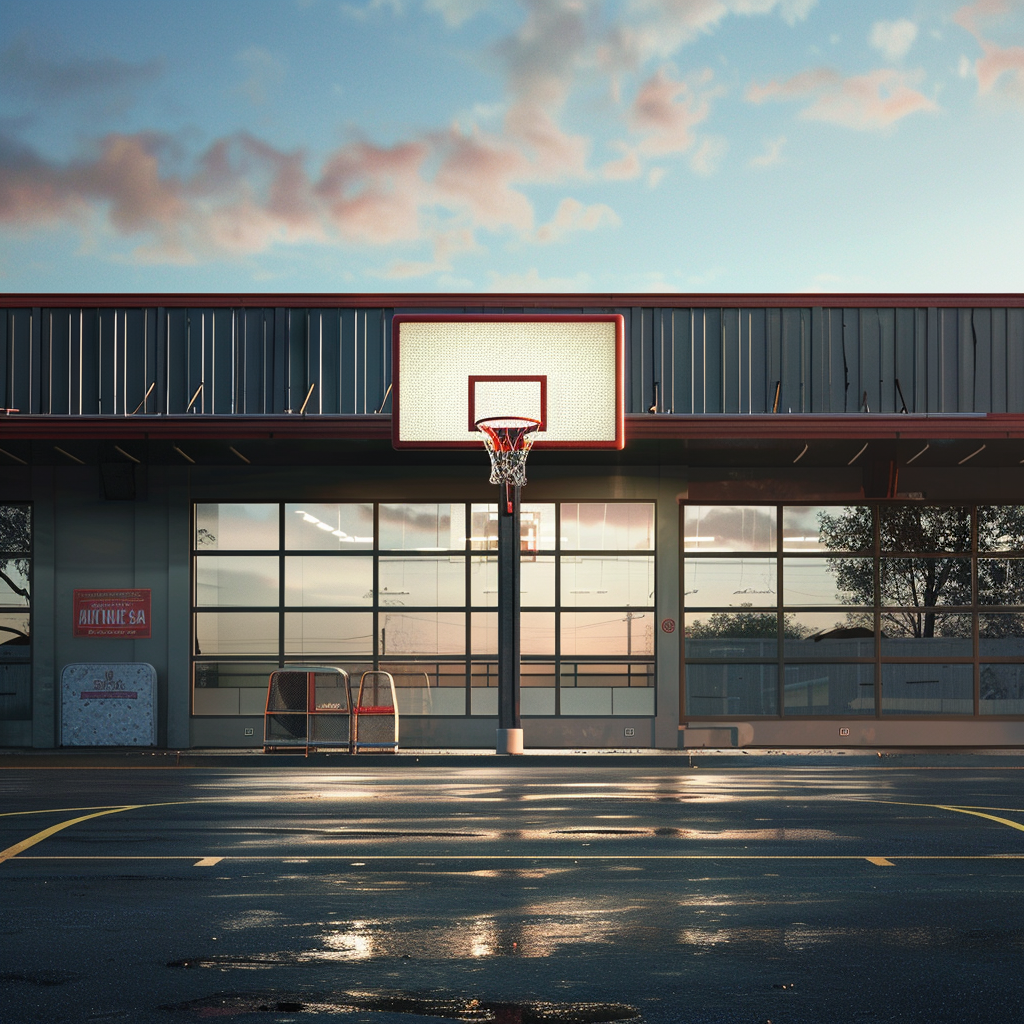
x=412 y=589
x=884 y=610
x=15 y=612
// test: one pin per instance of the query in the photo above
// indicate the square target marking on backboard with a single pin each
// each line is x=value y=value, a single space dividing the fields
x=449 y=371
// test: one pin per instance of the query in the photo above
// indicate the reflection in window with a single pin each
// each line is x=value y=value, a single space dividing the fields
x=610 y=580
x=219 y=633
x=237 y=527
x=15 y=613
x=832 y=634
x=1000 y=581
x=827 y=528
x=310 y=526
x=615 y=526
x=1000 y=528
x=926 y=633
x=422 y=581
x=828 y=581
x=716 y=582
x=536 y=581
x=916 y=582
x=923 y=528
x=320 y=580
x=225 y=582
x=728 y=528
x=423 y=527
x=1002 y=690
x=15 y=588
x=928 y=689
x=536 y=527
x=607 y=633
x=1001 y=635
x=328 y=634
x=423 y=633
x=833 y=689
x=731 y=689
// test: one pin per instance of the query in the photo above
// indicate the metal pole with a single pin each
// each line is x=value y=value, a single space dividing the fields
x=510 y=732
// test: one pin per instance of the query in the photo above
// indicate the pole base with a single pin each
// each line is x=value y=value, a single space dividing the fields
x=510 y=741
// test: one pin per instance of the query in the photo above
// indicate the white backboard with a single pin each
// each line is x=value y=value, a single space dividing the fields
x=449 y=371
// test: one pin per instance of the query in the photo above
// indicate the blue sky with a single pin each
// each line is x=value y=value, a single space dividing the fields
x=511 y=145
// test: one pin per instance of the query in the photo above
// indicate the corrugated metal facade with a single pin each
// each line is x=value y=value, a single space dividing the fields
x=252 y=360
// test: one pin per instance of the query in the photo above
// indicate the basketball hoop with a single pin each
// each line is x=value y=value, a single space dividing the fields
x=508 y=440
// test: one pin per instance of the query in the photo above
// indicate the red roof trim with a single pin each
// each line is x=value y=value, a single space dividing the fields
x=476 y=301
x=801 y=427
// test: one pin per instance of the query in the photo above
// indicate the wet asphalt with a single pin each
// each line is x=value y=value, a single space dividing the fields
x=512 y=892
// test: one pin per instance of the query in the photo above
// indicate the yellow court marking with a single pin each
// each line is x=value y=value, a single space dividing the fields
x=13 y=851
x=207 y=862
x=58 y=810
x=880 y=862
x=959 y=810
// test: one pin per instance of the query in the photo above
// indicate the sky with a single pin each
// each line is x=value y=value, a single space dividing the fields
x=511 y=146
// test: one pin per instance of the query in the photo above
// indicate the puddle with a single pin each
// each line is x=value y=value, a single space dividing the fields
x=487 y=1012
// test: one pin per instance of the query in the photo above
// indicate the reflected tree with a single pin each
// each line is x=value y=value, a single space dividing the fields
x=747 y=626
x=936 y=571
x=15 y=538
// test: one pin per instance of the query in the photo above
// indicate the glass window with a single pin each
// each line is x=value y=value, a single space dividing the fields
x=829 y=689
x=827 y=528
x=732 y=689
x=536 y=580
x=1000 y=528
x=225 y=581
x=15 y=589
x=731 y=634
x=334 y=634
x=716 y=582
x=607 y=633
x=431 y=688
x=15 y=528
x=310 y=526
x=320 y=580
x=423 y=633
x=830 y=635
x=422 y=581
x=252 y=675
x=828 y=581
x=536 y=527
x=237 y=527
x=236 y=633
x=607 y=580
x=926 y=633
x=1000 y=581
x=915 y=582
x=1002 y=690
x=711 y=528
x=615 y=526
x=1001 y=635
x=422 y=527
x=924 y=528
x=927 y=689
x=15 y=636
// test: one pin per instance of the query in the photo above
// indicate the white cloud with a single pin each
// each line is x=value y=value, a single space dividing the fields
x=456 y=12
x=893 y=39
x=572 y=216
x=531 y=281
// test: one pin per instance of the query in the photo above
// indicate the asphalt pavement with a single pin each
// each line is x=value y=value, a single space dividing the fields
x=779 y=888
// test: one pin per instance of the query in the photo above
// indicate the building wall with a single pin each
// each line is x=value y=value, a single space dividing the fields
x=256 y=359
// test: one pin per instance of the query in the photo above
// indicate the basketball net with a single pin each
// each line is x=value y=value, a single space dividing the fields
x=508 y=440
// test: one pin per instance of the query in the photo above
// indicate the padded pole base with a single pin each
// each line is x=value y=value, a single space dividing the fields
x=510 y=741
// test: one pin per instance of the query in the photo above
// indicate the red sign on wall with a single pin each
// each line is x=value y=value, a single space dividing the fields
x=123 y=613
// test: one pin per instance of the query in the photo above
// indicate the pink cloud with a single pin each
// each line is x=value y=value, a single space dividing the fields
x=996 y=62
x=666 y=112
x=572 y=216
x=873 y=100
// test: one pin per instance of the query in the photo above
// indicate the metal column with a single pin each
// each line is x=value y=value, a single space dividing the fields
x=510 y=732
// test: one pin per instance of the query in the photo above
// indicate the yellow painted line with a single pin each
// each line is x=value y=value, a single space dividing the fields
x=979 y=814
x=880 y=862
x=959 y=810
x=13 y=851
x=56 y=810
x=207 y=862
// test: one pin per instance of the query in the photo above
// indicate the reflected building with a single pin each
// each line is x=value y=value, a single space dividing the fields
x=813 y=537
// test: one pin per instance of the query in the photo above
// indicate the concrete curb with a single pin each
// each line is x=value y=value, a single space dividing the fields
x=636 y=759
